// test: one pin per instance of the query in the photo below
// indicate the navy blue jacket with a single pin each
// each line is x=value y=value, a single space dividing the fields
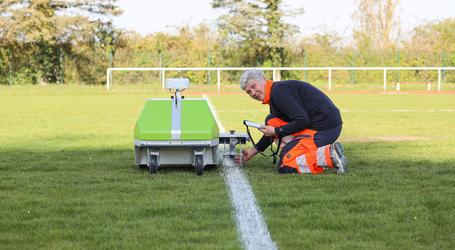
x=303 y=106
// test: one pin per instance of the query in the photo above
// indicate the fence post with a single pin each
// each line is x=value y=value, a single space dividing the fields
x=274 y=74
x=160 y=59
x=330 y=79
x=163 y=79
x=305 y=64
x=352 y=72
x=108 y=78
x=208 y=65
x=385 y=79
x=439 y=79
x=218 y=80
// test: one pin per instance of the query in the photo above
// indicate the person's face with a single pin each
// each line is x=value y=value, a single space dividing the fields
x=255 y=90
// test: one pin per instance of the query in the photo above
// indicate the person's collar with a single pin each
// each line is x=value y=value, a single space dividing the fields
x=268 y=90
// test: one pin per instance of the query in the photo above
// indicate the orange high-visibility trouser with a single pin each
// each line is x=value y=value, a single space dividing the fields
x=305 y=156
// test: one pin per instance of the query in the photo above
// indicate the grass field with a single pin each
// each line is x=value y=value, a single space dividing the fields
x=68 y=178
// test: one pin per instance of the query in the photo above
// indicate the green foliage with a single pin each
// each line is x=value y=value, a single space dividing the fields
x=434 y=36
x=45 y=32
x=189 y=47
x=39 y=43
x=253 y=32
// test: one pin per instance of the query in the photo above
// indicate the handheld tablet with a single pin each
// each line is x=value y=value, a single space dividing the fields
x=252 y=124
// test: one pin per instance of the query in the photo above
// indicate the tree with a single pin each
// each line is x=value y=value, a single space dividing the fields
x=434 y=36
x=49 y=29
x=255 y=30
x=378 y=23
x=433 y=43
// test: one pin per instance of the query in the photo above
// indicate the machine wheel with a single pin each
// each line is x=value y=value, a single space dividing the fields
x=153 y=164
x=199 y=164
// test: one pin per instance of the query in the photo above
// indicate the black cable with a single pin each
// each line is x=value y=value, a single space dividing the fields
x=274 y=153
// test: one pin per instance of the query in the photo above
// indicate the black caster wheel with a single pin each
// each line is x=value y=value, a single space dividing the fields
x=199 y=165
x=153 y=164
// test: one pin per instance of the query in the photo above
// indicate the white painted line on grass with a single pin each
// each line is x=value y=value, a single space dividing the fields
x=251 y=225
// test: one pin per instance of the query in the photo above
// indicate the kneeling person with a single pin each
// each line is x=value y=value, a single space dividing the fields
x=303 y=119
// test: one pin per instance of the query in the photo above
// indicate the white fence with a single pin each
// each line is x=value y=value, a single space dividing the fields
x=275 y=69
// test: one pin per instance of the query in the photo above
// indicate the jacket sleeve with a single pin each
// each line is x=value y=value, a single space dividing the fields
x=264 y=143
x=289 y=103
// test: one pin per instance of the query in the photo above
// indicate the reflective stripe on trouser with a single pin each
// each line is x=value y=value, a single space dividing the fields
x=323 y=161
x=305 y=156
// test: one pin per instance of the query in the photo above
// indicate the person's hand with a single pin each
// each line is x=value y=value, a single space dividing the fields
x=268 y=131
x=247 y=154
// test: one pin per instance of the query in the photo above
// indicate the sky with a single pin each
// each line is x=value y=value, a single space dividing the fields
x=148 y=16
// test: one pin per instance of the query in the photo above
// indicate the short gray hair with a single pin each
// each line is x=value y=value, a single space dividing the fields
x=249 y=75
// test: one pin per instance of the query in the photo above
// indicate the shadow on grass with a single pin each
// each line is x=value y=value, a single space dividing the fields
x=100 y=199
x=23 y=160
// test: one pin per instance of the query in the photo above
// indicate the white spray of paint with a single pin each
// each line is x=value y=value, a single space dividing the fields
x=251 y=226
